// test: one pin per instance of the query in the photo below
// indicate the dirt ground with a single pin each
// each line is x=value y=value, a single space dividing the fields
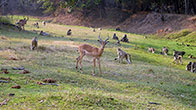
x=139 y=23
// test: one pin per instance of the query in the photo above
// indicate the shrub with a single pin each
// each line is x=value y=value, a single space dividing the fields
x=179 y=34
x=4 y=19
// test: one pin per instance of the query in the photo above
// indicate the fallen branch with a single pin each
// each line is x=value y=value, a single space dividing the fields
x=54 y=84
x=3 y=81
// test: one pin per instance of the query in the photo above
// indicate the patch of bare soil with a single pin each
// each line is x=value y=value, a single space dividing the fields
x=140 y=23
x=150 y=23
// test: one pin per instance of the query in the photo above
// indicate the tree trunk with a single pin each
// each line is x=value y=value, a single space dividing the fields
x=186 y=3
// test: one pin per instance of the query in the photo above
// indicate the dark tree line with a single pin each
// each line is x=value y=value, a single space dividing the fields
x=131 y=6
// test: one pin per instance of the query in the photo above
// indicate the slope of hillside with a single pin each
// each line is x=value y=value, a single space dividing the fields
x=151 y=82
x=140 y=23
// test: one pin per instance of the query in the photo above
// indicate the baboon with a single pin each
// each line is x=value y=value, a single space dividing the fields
x=43 y=23
x=178 y=58
x=125 y=39
x=188 y=66
x=36 y=25
x=99 y=29
x=43 y=33
x=94 y=30
x=152 y=50
x=191 y=66
x=118 y=29
x=192 y=57
x=22 y=23
x=121 y=55
x=69 y=32
x=115 y=37
x=34 y=43
x=164 y=51
x=177 y=53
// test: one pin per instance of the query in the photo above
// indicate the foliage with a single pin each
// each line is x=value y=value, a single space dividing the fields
x=176 y=35
x=4 y=19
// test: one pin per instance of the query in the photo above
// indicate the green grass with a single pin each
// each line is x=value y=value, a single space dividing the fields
x=151 y=77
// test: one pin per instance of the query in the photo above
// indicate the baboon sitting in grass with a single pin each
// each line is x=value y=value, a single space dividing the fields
x=36 y=25
x=116 y=38
x=164 y=51
x=152 y=50
x=34 y=43
x=125 y=39
x=121 y=55
x=69 y=32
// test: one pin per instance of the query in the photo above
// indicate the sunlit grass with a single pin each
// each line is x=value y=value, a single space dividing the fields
x=151 y=77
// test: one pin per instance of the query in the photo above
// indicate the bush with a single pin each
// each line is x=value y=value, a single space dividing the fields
x=4 y=19
x=179 y=34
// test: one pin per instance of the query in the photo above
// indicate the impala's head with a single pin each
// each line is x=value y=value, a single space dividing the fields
x=103 y=43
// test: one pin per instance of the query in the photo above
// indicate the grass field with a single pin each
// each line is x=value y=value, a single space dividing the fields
x=151 y=77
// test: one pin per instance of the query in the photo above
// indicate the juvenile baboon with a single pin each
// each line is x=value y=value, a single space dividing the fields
x=125 y=39
x=191 y=66
x=34 y=43
x=164 y=51
x=69 y=32
x=121 y=55
x=43 y=23
x=152 y=50
x=36 y=25
x=99 y=29
x=192 y=57
x=178 y=58
x=188 y=66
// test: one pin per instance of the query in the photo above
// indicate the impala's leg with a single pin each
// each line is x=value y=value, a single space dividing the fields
x=80 y=61
x=94 y=65
x=99 y=66
x=77 y=60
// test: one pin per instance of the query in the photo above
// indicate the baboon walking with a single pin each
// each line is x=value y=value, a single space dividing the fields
x=178 y=58
x=34 y=43
x=191 y=66
x=121 y=55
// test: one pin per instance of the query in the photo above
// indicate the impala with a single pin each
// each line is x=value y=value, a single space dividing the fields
x=94 y=52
